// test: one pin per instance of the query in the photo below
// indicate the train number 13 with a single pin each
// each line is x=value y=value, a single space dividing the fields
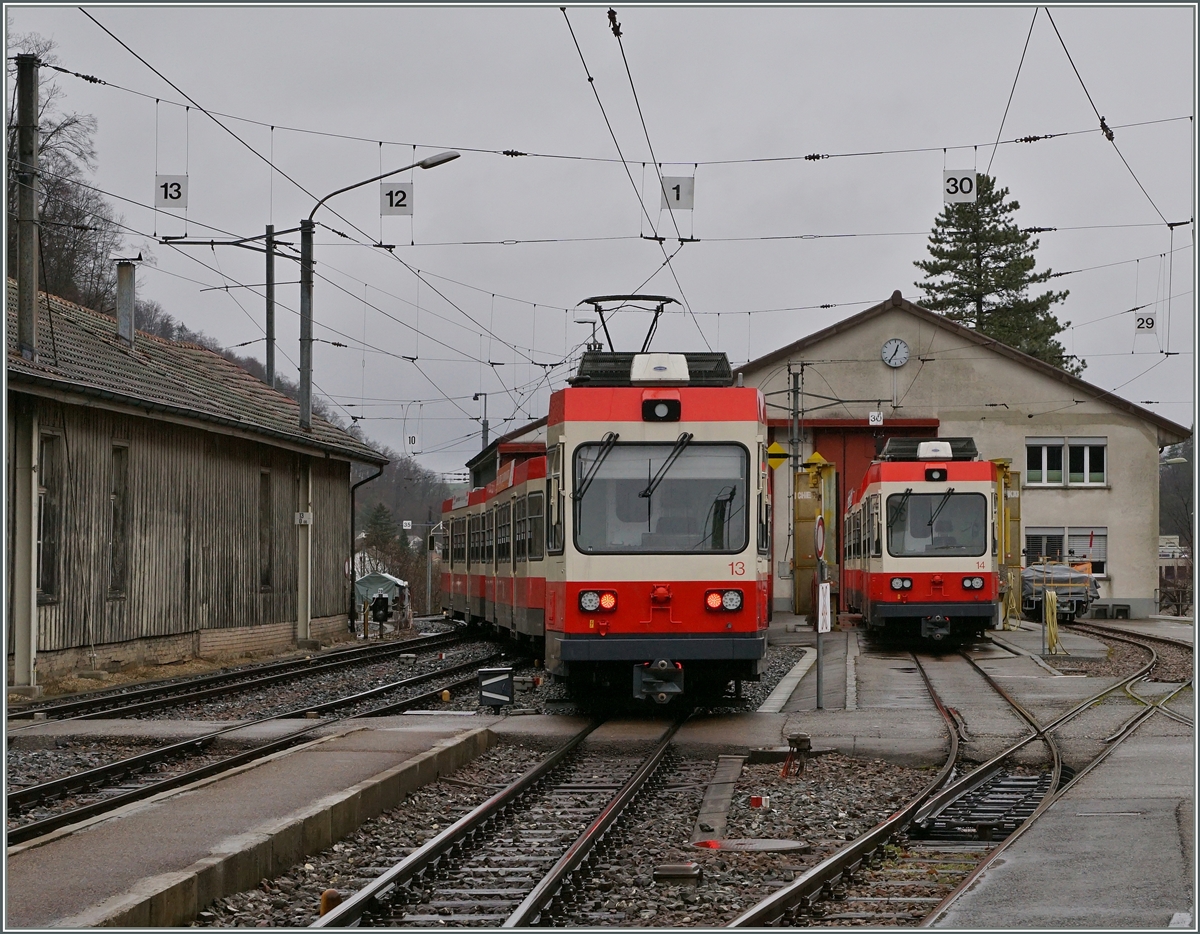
x=737 y=568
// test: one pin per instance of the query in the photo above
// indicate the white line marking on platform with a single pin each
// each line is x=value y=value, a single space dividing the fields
x=783 y=690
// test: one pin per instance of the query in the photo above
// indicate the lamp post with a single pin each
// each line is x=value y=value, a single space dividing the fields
x=475 y=398
x=304 y=514
x=306 y=279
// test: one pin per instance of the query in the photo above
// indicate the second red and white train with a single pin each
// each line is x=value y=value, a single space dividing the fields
x=921 y=541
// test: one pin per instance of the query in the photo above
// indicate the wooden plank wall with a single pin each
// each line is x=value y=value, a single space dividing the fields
x=193 y=530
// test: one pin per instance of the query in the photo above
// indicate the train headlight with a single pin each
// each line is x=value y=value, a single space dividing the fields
x=897 y=583
x=978 y=582
x=732 y=600
x=908 y=583
x=608 y=601
x=589 y=601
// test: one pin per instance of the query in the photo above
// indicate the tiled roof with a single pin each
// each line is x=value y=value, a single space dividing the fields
x=78 y=352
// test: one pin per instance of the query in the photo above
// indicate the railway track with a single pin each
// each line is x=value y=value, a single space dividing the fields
x=109 y=787
x=909 y=869
x=124 y=703
x=516 y=860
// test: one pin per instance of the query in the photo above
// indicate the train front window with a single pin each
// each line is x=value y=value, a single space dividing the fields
x=697 y=505
x=936 y=524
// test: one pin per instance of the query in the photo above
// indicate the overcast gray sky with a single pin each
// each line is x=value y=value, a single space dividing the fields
x=719 y=88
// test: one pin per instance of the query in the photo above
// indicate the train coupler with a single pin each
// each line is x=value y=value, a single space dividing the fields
x=935 y=627
x=660 y=680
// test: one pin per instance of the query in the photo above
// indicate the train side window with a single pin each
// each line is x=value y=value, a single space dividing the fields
x=555 y=501
x=503 y=534
x=489 y=538
x=534 y=538
x=877 y=526
x=519 y=549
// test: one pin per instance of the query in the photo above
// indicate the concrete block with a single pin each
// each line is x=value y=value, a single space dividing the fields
x=173 y=904
x=370 y=801
x=316 y=834
x=210 y=875
x=343 y=815
x=287 y=847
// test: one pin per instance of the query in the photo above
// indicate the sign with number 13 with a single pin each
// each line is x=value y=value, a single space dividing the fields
x=170 y=191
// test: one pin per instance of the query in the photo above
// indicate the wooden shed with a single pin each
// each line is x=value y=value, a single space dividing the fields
x=176 y=498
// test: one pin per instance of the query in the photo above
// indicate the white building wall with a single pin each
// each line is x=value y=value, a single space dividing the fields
x=977 y=392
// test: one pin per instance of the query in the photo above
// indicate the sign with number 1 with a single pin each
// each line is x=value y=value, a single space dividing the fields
x=170 y=191
x=678 y=194
x=396 y=198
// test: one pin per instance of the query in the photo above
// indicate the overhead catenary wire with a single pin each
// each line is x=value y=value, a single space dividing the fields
x=1012 y=91
x=575 y=157
x=629 y=174
x=207 y=113
x=1104 y=127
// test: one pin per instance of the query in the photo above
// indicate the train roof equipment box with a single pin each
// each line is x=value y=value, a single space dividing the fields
x=602 y=368
x=920 y=449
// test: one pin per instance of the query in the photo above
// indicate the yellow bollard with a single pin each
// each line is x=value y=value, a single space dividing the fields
x=330 y=899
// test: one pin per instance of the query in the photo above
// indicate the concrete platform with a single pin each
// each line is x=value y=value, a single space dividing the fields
x=1115 y=852
x=154 y=862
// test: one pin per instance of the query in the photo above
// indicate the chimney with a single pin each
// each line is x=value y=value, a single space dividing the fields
x=126 y=279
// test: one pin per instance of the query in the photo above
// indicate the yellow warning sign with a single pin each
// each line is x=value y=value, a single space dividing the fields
x=776 y=454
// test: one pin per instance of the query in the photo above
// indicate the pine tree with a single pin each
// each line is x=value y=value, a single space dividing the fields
x=381 y=529
x=980 y=271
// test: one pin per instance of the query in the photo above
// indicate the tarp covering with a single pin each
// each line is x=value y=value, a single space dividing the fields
x=1062 y=578
x=367 y=586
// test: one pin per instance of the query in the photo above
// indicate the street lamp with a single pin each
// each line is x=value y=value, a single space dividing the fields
x=475 y=398
x=306 y=280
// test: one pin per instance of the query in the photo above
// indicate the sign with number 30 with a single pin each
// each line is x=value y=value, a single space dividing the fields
x=958 y=186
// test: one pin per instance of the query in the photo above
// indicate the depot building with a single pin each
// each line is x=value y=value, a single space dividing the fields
x=1087 y=460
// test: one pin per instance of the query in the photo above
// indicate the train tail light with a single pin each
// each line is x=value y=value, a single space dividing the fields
x=592 y=601
x=730 y=600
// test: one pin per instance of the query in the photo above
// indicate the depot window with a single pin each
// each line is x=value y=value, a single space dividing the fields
x=1066 y=461
x=1083 y=547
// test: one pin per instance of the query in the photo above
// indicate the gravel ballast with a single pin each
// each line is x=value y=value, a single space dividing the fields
x=836 y=798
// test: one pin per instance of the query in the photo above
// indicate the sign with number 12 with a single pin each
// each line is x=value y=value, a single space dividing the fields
x=396 y=198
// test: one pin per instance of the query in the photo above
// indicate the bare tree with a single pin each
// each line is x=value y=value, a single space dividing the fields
x=79 y=230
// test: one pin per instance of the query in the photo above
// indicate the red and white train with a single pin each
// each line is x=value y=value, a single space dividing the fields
x=921 y=541
x=635 y=554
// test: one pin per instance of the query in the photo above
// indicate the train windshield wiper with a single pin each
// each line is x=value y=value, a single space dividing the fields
x=680 y=443
x=606 y=446
x=898 y=509
x=941 y=504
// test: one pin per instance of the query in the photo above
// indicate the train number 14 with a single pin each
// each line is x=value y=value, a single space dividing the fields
x=737 y=568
